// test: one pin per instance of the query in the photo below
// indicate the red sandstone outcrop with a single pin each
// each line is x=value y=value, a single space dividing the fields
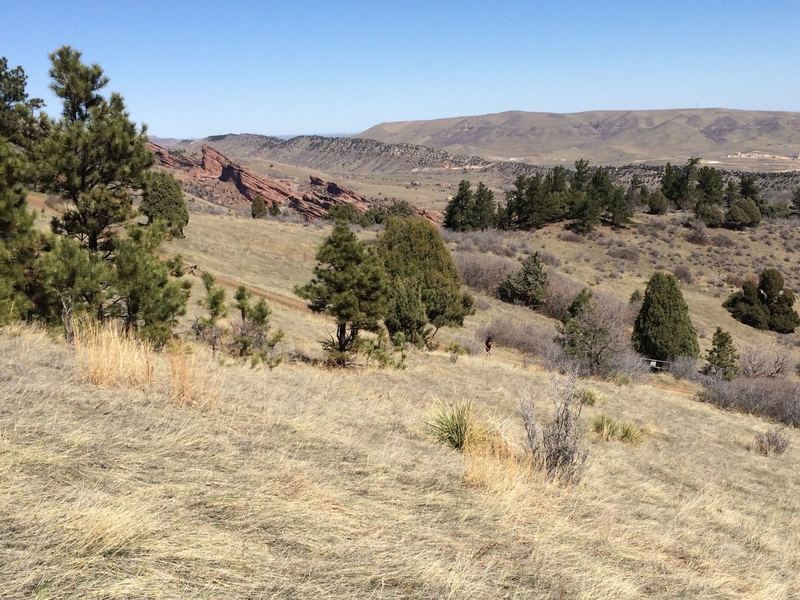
x=215 y=165
x=325 y=194
x=170 y=160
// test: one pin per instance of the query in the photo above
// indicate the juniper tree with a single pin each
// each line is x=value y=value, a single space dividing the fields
x=349 y=284
x=413 y=250
x=766 y=305
x=258 y=208
x=94 y=155
x=722 y=358
x=663 y=329
x=162 y=200
x=527 y=286
x=657 y=203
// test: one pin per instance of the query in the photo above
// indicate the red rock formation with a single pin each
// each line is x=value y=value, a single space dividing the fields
x=326 y=194
x=169 y=160
x=215 y=165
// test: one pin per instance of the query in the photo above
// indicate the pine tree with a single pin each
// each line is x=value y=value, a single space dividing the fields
x=349 y=284
x=748 y=188
x=21 y=121
x=207 y=328
x=483 y=208
x=580 y=176
x=744 y=212
x=74 y=282
x=18 y=239
x=527 y=286
x=620 y=207
x=162 y=200
x=258 y=209
x=412 y=249
x=722 y=358
x=251 y=336
x=94 y=155
x=149 y=301
x=663 y=330
x=709 y=197
x=459 y=208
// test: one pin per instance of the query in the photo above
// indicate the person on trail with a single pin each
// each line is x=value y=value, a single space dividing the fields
x=488 y=344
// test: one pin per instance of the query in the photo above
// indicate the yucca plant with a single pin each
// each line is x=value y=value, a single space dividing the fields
x=450 y=421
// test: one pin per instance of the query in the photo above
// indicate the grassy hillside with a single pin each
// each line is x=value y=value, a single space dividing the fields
x=303 y=482
x=612 y=137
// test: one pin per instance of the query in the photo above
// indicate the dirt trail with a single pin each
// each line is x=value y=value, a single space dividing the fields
x=287 y=301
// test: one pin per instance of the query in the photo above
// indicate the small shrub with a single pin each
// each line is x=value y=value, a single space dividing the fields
x=554 y=447
x=772 y=441
x=605 y=426
x=609 y=428
x=588 y=396
x=527 y=286
x=683 y=274
x=450 y=423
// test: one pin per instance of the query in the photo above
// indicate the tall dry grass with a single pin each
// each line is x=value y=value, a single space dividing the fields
x=193 y=378
x=107 y=357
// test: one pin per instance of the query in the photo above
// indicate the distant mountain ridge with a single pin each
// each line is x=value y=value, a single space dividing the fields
x=608 y=137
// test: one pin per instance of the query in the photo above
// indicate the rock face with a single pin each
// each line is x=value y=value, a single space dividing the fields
x=326 y=194
x=214 y=167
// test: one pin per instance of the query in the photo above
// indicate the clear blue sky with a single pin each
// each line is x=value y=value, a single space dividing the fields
x=190 y=69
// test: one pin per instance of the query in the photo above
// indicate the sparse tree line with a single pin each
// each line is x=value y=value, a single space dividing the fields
x=586 y=197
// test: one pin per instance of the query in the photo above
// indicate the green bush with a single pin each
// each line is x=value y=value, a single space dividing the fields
x=450 y=422
x=527 y=286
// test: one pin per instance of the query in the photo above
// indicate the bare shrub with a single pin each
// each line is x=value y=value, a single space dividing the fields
x=484 y=272
x=570 y=236
x=777 y=399
x=698 y=235
x=527 y=337
x=772 y=441
x=595 y=336
x=555 y=445
x=560 y=293
x=628 y=253
x=722 y=240
x=683 y=273
x=105 y=356
x=549 y=259
x=684 y=367
x=759 y=364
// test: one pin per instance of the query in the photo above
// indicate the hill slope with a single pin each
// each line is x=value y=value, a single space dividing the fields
x=613 y=137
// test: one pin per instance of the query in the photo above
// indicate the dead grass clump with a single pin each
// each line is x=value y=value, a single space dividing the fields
x=772 y=441
x=588 y=396
x=628 y=253
x=107 y=357
x=106 y=531
x=193 y=379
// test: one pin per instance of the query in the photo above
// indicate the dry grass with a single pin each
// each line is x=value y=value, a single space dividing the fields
x=300 y=483
x=107 y=357
x=194 y=379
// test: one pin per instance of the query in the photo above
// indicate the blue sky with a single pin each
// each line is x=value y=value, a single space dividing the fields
x=190 y=69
